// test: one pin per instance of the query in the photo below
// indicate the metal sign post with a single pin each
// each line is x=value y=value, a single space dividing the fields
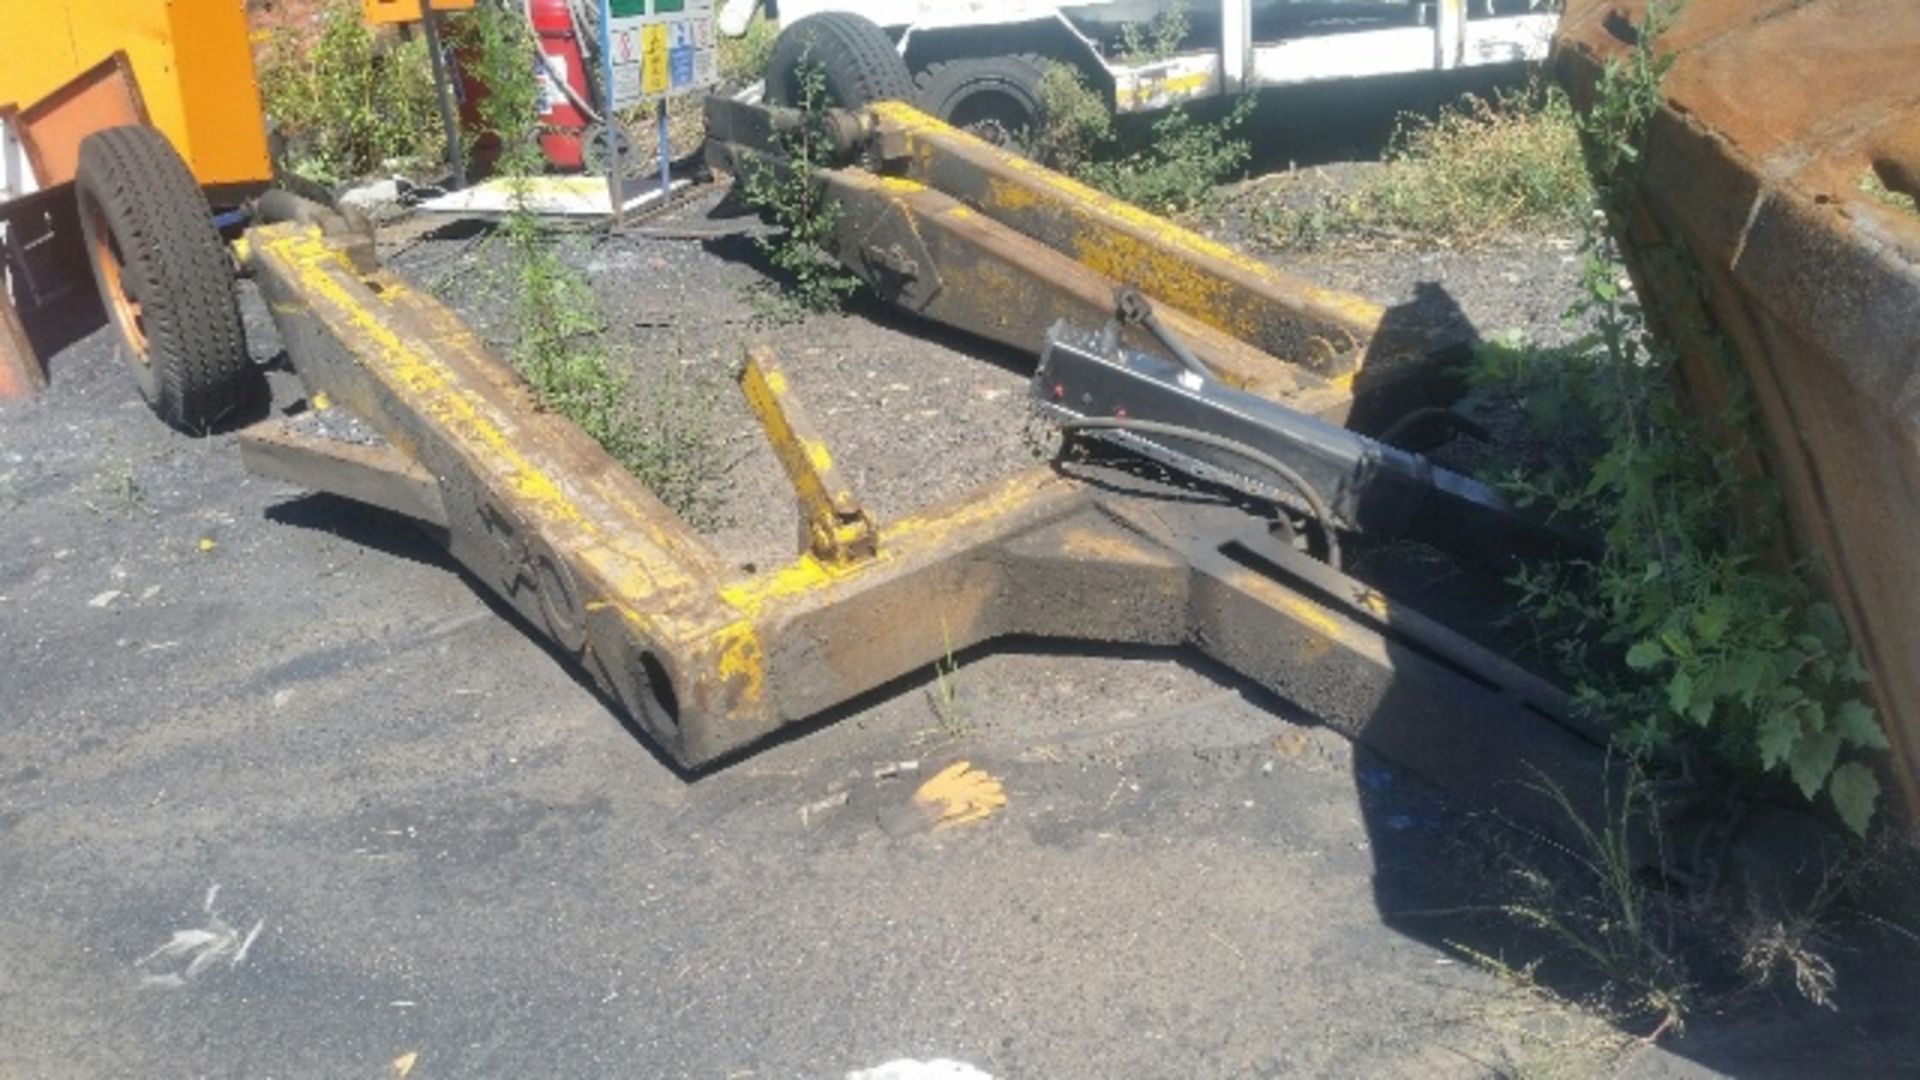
x=616 y=148
x=443 y=90
x=652 y=50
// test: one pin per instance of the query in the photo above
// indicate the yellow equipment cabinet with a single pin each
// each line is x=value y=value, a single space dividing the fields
x=190 y=60
x=122 y=122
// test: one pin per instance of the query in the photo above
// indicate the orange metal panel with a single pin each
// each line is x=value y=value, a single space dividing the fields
x=386 y=12
x=53 y=128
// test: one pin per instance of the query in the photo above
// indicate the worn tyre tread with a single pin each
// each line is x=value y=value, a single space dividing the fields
x=856 y=56
x=936 y=85
x=197 y=369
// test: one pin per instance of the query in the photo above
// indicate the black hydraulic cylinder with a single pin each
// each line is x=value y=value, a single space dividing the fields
x=1370 y=488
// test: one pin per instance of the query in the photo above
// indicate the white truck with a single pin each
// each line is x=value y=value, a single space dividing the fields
x=978 y=63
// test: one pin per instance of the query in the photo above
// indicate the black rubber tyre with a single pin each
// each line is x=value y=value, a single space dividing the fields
x=994 y=97
x=164 y=277
x=856 y=57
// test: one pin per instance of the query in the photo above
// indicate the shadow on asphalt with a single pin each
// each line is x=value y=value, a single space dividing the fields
x=1461 y=875
x=402 y=537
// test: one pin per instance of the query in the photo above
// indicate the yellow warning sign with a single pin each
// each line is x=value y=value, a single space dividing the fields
x=653 y=59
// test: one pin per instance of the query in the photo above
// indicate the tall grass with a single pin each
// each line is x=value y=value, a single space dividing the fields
x=1482 y=169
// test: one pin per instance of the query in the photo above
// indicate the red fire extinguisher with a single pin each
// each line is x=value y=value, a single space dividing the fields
x=563 y=84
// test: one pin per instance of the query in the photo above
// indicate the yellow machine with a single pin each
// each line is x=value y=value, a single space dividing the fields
x=121 y=125
x=189 y=61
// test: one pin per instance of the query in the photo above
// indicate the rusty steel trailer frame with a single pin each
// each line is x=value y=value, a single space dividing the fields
x=709 y=660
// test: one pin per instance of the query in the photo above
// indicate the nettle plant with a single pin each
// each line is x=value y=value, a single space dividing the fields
x=1691 y=628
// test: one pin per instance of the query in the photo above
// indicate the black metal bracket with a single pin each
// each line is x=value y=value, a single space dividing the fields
x=1198 y=426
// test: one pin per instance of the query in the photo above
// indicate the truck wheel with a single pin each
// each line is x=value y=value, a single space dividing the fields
x=855 y=56
x=994 y=97
x=164 y=277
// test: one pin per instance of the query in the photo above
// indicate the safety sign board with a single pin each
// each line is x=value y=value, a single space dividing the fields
x=659 y=48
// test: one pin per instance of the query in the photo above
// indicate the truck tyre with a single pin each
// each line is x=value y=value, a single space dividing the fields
x=164 y=277
x=855 y=56
x=994 y=97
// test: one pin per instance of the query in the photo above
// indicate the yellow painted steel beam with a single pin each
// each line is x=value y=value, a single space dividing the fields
x=937 y=257
x=1327 y=331
x=710 y=662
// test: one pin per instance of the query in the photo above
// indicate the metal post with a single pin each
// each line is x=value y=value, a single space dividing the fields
x=616 y=151
x=666 y=153
x=1449 y=34
x=1236 y=44
x=443 y=90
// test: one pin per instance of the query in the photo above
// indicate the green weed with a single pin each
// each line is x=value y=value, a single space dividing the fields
x=663 y=432
x=790 y=196
x=1178 y=169
x=1155 y=40
x=1598 y=908
x=350 y=102
x=117 y=492
x=944 y=695
x=496 y=44
x=1480 y=170
x=1074 y=120
x=744 y=59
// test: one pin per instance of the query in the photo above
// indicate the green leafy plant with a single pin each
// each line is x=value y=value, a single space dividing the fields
x=1074 y=121
x=744 y=59
x=1177 y=170
x=350 y=102
x=793 y=198
x=495 y=45
x=1156 y=39
x=1483 y=168
x=1690 y=628
x=661 y=430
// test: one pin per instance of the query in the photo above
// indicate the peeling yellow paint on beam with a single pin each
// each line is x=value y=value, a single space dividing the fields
x=428 y=388
x=1218 y=285
x=741 y=660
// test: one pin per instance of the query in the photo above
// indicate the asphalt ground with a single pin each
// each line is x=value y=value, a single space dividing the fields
x=283 y=794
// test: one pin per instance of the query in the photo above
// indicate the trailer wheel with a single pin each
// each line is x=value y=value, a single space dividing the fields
x=855 y=56
x=994 y=97
x=164 y=277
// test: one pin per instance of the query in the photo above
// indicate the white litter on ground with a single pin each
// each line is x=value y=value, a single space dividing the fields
x=906 y=1069
x=548 y=196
